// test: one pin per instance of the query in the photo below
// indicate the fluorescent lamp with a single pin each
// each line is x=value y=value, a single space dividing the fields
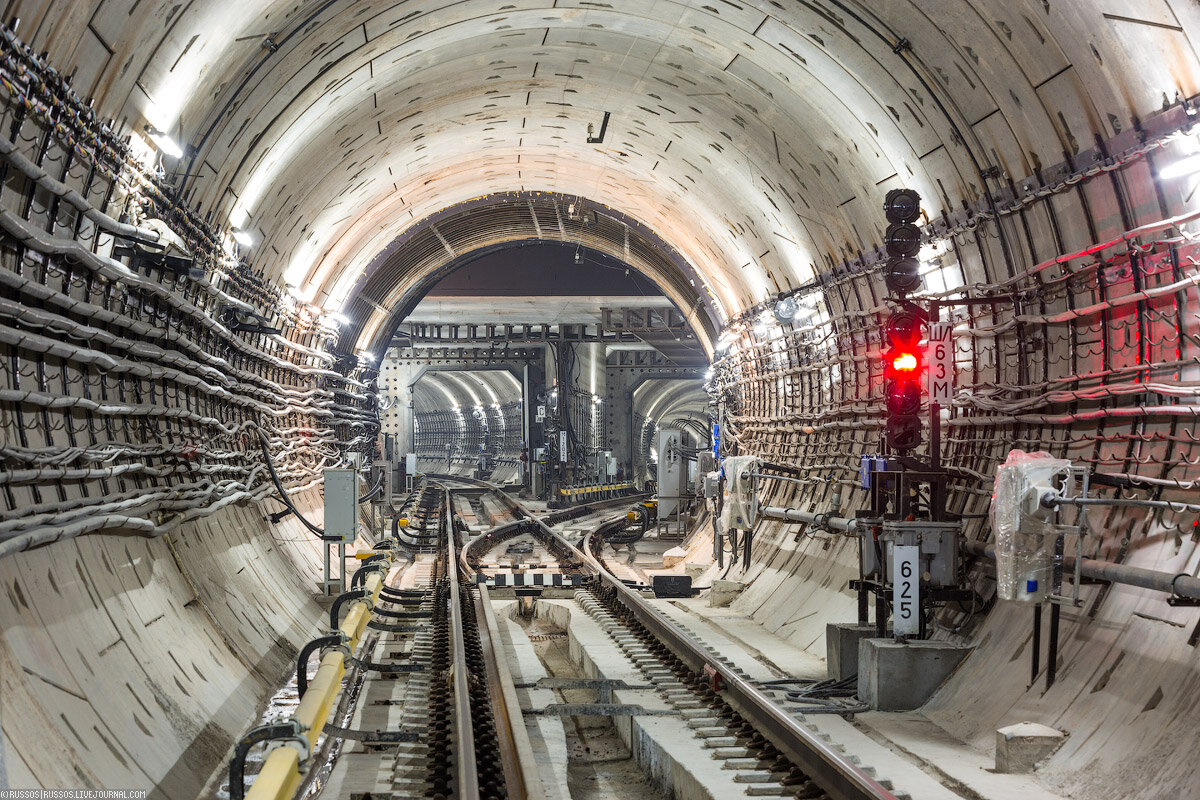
x=340 y=319
x=244 y=238
x=163 y=142
x=1182 y=167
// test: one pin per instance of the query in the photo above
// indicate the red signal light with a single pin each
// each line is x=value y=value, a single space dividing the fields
x=904 y=362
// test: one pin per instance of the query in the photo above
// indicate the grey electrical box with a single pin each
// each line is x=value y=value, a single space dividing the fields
x=938 y=542
x=341 y=505
x=672 y=471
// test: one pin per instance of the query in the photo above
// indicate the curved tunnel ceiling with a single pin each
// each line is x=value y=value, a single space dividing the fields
x=441 y=390
x=755 y=138
x=388 y=288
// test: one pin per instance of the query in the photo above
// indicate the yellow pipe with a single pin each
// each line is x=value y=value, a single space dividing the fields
x=591 y=489
x=280 y=775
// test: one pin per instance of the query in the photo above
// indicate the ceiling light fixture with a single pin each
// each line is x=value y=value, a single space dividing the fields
x=164 y=142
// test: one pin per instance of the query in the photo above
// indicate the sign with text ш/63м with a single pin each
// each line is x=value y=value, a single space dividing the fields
x=941 y=363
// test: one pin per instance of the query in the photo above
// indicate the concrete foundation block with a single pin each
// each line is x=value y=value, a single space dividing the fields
x=841 y=647
x=694 y=569
x=724 y=592
x=1020 y=747
x=901 y=676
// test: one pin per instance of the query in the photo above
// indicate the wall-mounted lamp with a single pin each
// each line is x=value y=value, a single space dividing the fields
x=163 y=142
x=786 y=308
x=1184 y=166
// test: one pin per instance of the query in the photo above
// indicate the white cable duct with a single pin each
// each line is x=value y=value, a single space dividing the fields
x=180 y=497
x=982 y=400
x=35 y=318
x=135 y=525
x=46 y=474
x=1087 y=311
x=113 y=270
x=71 y=196
x=80 y=203
x=100 y=504
x=45 y=345
x=141 y=330
x=251 y=466
x=108 y=451
x=1124 y=238
x=46 y=400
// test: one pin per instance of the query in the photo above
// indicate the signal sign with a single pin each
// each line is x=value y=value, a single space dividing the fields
x=906 y=589
x=941 y=363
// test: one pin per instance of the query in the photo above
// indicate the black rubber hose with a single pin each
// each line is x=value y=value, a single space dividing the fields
x=306 y=653
x=336 y=609
x=401 y=594
x=360 y=577
x=283 y=495
x=376 y=490
x=237 y=764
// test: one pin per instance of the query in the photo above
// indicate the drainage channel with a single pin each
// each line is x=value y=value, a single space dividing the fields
x=600 y=766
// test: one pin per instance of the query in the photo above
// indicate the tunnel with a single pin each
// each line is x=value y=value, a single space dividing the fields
x=589 y=252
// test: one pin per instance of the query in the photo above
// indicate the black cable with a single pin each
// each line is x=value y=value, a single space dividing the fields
x=376 y=490
x=237 y=764
x=336 y=609
x=283 y=495
x=306 y=653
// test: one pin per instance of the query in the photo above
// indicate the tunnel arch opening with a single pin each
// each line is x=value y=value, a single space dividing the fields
x=395 y=280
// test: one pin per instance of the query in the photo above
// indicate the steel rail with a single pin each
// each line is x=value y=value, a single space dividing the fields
x=464 y=729
x=516 y=753
x=521 y=776
x=836 y=774
x=832 y=771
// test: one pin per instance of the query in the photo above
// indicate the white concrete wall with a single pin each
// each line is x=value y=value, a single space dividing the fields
x=136 y=663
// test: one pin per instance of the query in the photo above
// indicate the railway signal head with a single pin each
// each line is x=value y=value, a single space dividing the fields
x=902 y=240
x=903 y=374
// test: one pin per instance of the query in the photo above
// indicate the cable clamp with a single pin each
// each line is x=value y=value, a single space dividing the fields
x=340 y=647
x=1177 y=600
x=298 y=739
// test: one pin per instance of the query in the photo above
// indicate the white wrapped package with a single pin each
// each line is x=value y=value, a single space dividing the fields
x=1022 y=526
x=739 y=510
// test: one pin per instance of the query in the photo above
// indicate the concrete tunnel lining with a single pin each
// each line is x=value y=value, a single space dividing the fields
x=754 y=140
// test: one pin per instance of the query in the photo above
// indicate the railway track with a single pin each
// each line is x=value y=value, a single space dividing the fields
x=778 y=755
x=438 y=713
